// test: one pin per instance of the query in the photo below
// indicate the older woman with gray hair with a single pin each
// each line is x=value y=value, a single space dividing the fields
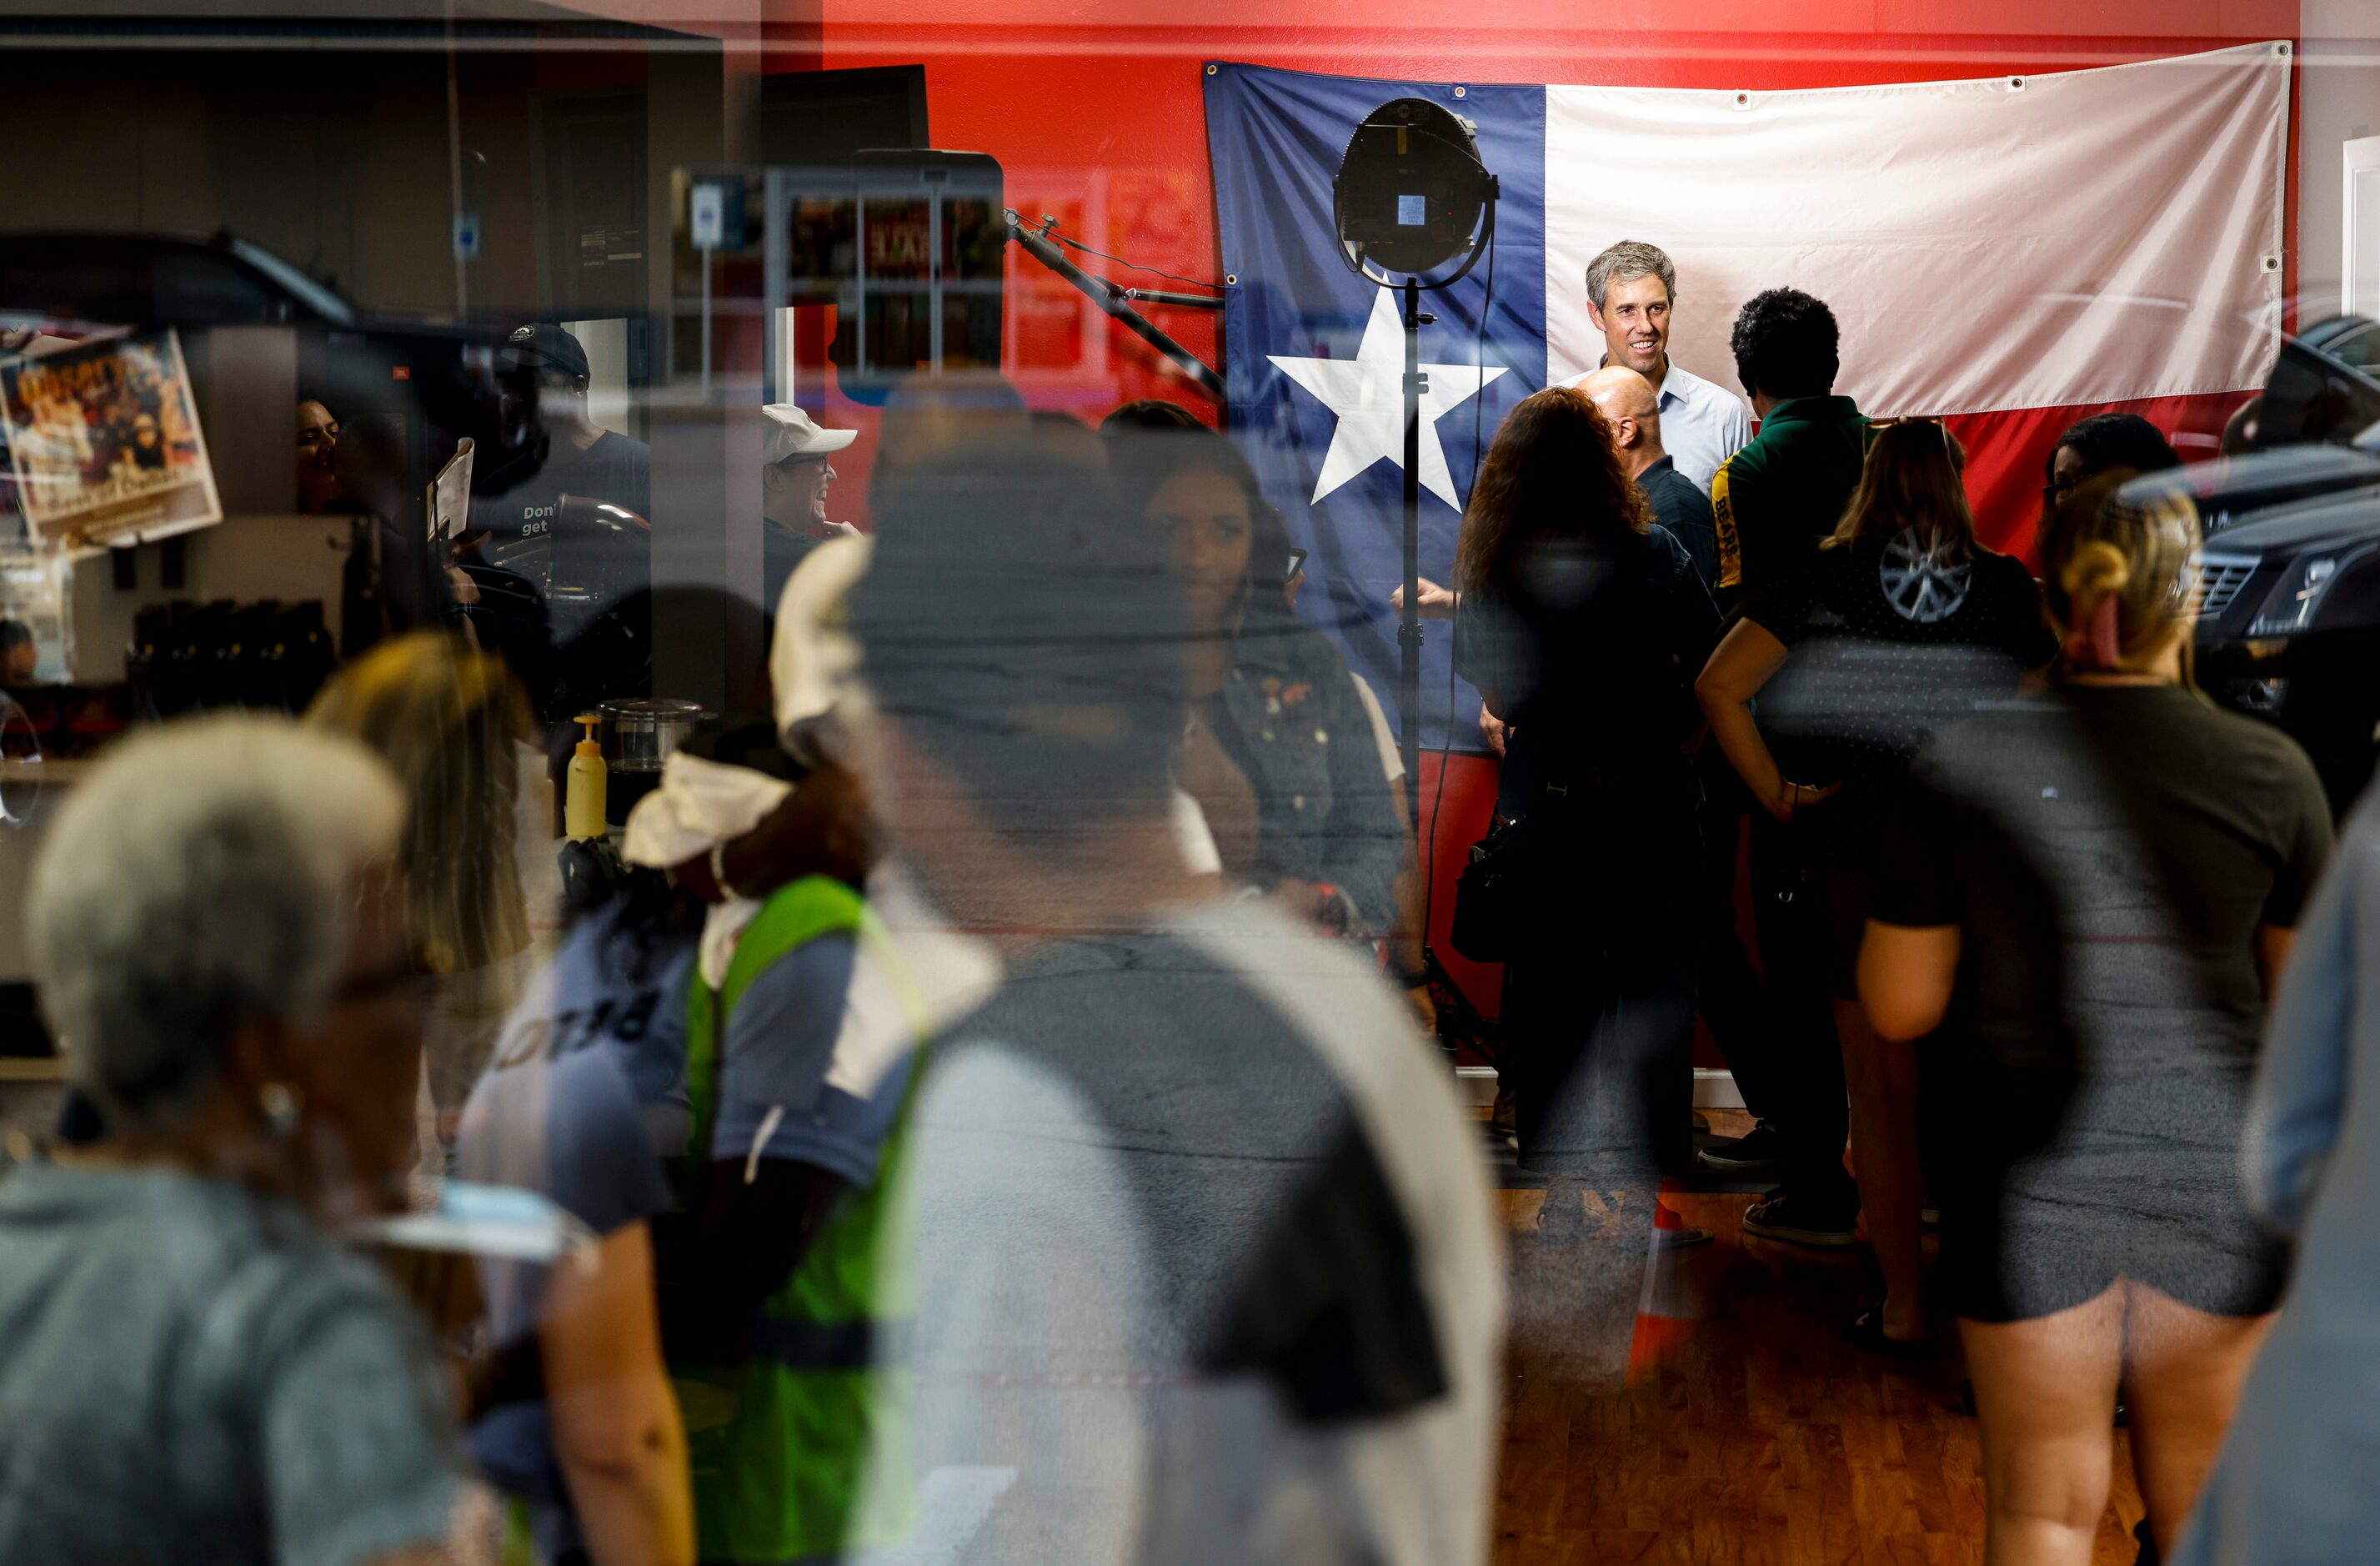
x=191 y=1368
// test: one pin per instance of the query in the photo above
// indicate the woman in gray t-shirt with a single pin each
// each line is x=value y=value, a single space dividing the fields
x=190 y=1369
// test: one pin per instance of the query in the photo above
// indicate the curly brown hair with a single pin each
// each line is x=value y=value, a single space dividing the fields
x=1552 y=474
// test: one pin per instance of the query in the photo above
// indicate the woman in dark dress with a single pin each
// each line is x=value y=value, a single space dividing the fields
x=1901 y=623
x=2090 y=895
x=1581 y=623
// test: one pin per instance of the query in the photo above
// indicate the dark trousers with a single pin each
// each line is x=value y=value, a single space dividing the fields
x=1800 y=1068
x=1603 y=1060
x=1600 y=1007
x=1727 y=986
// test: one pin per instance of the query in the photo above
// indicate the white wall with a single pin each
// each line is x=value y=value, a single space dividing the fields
x=606 y=343
x=2339 y=101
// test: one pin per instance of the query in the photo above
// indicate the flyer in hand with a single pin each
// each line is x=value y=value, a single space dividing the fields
x=105 y=445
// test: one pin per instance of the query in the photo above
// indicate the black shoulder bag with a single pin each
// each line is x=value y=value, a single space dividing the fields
x=1502 y=892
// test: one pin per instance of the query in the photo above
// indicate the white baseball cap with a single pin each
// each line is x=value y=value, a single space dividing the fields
x=793 y=432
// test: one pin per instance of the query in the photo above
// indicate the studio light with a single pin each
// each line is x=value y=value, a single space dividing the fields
x=1410 y=193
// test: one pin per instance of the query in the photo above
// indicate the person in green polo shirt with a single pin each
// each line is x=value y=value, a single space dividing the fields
x=1775 y=499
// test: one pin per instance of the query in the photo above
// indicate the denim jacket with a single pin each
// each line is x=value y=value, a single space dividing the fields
x=1326 y=810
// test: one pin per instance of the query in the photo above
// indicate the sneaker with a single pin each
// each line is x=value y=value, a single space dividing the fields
x=1758 y=1152
x=1783 y=1216
x=1680 y=1238
x=1505 y=1120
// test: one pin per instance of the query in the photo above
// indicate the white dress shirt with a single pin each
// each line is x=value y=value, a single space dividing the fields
x=1702 y=423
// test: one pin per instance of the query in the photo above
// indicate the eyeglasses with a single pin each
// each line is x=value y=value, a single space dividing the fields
x=2057 y=490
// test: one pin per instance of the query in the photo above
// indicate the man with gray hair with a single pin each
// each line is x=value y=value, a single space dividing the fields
x=194 y=1370
x=1631 y=288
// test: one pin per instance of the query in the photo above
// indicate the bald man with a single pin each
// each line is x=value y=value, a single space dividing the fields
x=1629 y=401
x=1631 y=405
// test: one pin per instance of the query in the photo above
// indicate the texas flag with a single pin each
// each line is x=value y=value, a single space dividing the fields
x=2014 y=252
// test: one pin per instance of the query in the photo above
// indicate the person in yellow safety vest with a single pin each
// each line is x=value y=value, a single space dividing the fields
x=587 y=1100
x=801 y=1044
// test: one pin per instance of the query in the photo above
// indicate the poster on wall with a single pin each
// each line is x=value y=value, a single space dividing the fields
x=105 y=445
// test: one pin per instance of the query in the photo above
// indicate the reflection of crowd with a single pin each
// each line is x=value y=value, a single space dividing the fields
x=979 y=1105
x=720 y=1082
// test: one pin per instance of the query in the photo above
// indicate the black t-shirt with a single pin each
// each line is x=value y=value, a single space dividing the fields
x=583 y=570
x=1595 y=668
x=781 y=552
x=2109 y=853
x=614 y=468
x=1887 y=644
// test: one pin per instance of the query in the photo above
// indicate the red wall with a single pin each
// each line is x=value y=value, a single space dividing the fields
x=1057 y=91
x=1098 y=116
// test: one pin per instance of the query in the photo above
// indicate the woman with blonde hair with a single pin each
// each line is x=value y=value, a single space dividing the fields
x=1901 y=621
x=451 y=722
x=573 y=1417
x=2091 y=896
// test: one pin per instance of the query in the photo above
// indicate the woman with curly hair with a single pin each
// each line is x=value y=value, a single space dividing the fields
x=1583 y=624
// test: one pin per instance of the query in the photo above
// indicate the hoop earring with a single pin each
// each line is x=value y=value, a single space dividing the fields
x=282 y=1102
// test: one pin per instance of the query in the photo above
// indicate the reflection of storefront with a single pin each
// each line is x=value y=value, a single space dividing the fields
x=891 y=261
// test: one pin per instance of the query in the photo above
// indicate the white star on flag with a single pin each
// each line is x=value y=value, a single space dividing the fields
x=1367 y=395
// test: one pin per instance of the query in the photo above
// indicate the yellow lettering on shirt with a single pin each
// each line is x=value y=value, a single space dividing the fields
x=1731 y=550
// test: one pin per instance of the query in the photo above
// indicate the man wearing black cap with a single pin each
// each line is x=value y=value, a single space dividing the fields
x=545 y=368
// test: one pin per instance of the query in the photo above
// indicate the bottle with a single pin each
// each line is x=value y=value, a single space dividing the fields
x=582 y=800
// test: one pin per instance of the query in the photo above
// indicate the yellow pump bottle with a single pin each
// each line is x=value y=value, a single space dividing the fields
x=582 y=800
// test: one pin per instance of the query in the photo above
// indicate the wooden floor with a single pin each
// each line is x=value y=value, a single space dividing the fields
x=1748 y=1431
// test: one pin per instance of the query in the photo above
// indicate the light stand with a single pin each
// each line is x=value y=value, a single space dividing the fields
x=1409 y=632
x=1408 y=195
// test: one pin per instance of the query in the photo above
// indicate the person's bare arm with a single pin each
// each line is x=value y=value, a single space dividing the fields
x=616 y=1430
x=2273 y=945
x=1493 y=730
x=1906 y=976
x=1432 y=602
x=1407 y=942
x=757 y=1220
x=1747 y=659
